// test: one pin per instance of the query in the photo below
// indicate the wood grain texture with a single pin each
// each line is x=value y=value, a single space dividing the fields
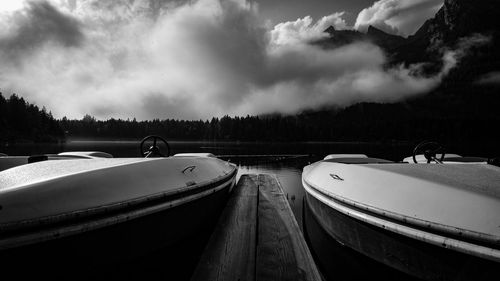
x=257 y=237
x=282 y=253
x=230 y=253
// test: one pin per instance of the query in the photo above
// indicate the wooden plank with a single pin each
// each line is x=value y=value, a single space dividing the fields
x=282 y=253
x=257 y=237
x=230 y=252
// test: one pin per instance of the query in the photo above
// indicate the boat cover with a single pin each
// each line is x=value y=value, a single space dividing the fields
x=51 y=188
x=461 y=199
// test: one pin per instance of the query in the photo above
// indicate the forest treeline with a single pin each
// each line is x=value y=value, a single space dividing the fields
x=24 y=121
x=461 y=114
x=455 y=115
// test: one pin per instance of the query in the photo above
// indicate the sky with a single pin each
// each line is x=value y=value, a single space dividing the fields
x=289 y=10
x=197 y=59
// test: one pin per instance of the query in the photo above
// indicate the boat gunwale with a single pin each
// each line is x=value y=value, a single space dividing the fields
x=114 y=207
x=363 y=213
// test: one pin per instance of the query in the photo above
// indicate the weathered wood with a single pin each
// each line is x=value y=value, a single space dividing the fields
x=230 y=253
x=257 y=237
x=282 y=253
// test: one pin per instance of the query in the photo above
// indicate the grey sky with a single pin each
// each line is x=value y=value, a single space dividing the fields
x=200 y=58
x=287 y=10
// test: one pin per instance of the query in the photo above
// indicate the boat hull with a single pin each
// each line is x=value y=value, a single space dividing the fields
x=413 y=257
x=175 y=235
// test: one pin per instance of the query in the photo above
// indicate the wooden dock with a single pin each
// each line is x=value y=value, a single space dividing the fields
x=257 y=237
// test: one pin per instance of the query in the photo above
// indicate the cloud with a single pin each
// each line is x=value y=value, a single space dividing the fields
x=355 y=74
x=464 y=44
x=492 y=78
x=40 y=23
x=161 y=59
x=303 y=29
x=402 y=17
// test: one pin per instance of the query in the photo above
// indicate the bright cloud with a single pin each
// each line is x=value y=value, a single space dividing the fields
x=304 y=29
x=162 y=59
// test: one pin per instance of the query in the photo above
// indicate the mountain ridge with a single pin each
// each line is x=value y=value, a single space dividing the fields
x=454 y=22
x=461 y=107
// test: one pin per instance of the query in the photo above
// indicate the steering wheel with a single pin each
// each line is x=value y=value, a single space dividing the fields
x=429 y=149
x=154 y=150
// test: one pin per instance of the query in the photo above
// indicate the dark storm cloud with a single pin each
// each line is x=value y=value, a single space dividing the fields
x=38 y=24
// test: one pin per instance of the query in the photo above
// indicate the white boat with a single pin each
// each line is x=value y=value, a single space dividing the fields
x=431 y=221
x=90 y=207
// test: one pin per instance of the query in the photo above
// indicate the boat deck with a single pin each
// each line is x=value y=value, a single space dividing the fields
x=257 y=237
x=461 y=176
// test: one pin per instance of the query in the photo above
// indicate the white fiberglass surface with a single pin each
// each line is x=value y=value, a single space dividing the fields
x=55 y=187
x=463 y=197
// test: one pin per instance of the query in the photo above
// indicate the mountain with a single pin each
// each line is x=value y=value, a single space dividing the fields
x=388 y=42
x=459 y=18
x=384 y=39
x=338 y=38
x=456 y=20
x=461 y=109
x=469 y=25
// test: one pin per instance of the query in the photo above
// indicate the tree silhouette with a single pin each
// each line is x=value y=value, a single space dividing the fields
x=22 y=121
